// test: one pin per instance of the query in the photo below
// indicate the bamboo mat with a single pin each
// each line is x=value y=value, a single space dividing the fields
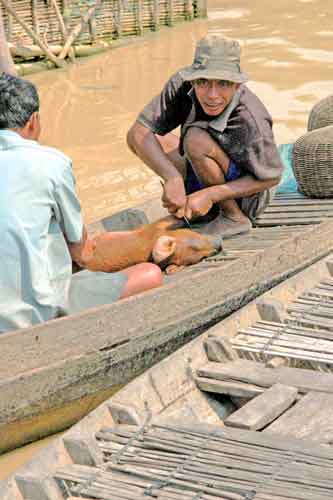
x=177 y=462
x=305 y=335
x=294 y=208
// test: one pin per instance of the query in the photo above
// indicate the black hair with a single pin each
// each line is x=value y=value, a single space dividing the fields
x=18 y=100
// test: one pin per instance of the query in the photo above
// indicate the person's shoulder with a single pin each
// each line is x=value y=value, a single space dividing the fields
x=54 y=164
x=53 y=153
x=177 y=83
x=254 y=113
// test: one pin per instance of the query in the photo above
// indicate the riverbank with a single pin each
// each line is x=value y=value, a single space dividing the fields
x=61 y=31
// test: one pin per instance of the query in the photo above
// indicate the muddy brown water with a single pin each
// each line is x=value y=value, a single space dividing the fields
x=87 y=109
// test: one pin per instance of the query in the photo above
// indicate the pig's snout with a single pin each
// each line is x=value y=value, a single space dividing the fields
x=216 y=242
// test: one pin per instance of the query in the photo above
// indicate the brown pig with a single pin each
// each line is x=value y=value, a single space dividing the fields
x=163 y=242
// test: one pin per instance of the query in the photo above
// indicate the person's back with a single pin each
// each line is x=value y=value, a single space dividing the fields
x=35 y=193
x=41 y=225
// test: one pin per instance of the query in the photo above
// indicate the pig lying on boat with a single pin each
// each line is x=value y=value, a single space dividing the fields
x=163 y=242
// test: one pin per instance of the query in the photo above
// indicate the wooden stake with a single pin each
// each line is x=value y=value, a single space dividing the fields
x=62 y=27
x=78 y=28
x=66 y=13
x=34 y=16
x=138 y=14
x=60 y=19
x=156 y=15
x=170 y=13
x=6 y=61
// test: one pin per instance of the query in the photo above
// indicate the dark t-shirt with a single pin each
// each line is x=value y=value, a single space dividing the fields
x=244 y=130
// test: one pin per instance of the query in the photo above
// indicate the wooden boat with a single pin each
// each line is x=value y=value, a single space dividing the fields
x=53 y=374
x=208 y=422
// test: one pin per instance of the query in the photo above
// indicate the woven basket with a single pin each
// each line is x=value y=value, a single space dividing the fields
x=321 y=115
x=313 y=163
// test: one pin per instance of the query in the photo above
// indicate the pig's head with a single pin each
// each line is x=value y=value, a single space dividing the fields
x=183 y=247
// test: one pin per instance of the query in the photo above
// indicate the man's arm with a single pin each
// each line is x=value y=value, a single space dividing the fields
x=240 y=188
x=200 y=202
x=77 y=249
x=144 y=143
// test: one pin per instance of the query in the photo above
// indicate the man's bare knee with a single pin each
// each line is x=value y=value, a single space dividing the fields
x=197 y=143
x=201 y=148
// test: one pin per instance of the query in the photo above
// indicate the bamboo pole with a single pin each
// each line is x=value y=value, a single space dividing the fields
x=32 y=34
x=62 y=26
x=9 y=28
x=138 y=15
x=170 y=21
x=78 y=28
x=6 y=61
x=34 y=16
x=118 y=19
x=32 y=51
x=156 y=15
x=60 y=19
x=66 y=13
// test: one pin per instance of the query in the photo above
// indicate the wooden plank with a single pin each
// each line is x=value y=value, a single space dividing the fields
x=257 y=374
x=263 y=409
x=310 y=418
x=229 y=388
x=262 y=222
x=284 y=214
x=306 y=208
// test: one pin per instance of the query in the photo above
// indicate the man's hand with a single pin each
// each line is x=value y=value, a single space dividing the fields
x=198 y=204
x=174 y=196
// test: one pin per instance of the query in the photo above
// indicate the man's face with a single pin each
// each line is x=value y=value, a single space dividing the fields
x=214 y=95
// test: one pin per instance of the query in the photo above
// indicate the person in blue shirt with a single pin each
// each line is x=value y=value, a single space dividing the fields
x=41 y=225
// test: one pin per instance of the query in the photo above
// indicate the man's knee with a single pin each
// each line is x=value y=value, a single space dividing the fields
x=197 y=143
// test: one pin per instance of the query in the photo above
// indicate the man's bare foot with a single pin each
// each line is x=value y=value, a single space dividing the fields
x=224 y=226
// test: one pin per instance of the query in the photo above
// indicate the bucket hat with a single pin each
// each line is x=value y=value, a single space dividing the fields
x=216 y=58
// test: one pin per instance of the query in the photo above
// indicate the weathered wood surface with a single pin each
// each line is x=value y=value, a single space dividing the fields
x=164 y=391
x=179 y=460
x=263 y=409
x=248 y=379
x=236 y=389
x=290 y=340
x=258 y=375
x=295 y=208
x=310 y=418
x=69 y=358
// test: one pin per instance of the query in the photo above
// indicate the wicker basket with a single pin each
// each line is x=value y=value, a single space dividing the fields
x=321 y=115
x=313 y=163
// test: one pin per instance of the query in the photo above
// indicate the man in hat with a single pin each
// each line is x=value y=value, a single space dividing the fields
x=226 y=155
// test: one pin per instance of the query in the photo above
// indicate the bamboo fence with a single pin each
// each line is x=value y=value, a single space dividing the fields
x=113 y=18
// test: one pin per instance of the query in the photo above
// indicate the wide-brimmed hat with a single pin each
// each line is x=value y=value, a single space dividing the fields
x=216 y=58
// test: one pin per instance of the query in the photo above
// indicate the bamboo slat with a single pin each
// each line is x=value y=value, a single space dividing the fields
x=294 y=208
x=175 y=462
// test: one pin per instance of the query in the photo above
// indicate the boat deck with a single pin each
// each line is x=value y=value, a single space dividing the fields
x=198 y=462
x=171 y=433
x=284 y=218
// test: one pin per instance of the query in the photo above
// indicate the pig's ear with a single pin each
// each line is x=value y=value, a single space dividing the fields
x=164 y=247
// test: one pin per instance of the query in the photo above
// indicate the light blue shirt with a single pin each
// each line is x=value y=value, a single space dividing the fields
x=38 y=208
